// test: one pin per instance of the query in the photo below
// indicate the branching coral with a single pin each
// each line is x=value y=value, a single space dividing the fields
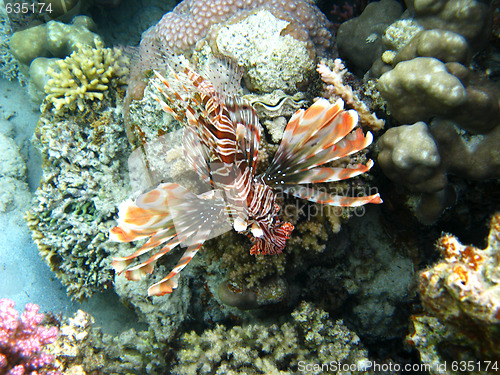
x=22 y=341
x=85 y=75
x=82 y=348
x=309 y=338
x=337 y=88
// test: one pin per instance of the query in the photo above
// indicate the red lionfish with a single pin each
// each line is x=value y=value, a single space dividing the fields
x=221 y=141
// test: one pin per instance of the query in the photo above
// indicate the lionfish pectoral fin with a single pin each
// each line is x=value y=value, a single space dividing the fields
x=325 y=174
x=120 y=264
x=321 y=197
x=169 y=283
x=138 y=272
x=165 y=286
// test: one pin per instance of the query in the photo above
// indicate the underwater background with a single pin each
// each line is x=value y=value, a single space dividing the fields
x=410 y=285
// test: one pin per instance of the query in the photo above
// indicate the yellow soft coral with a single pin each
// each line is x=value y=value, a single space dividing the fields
x=84 y=75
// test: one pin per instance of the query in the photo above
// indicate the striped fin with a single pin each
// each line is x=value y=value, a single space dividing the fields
x=314 y=137
x=319 y=127
x=169 y=215
x=321 y=197
x=352 y=143
x=196 y=154
x=273 y=239
x=326 y=174
x=248 y=129
x=167 y=284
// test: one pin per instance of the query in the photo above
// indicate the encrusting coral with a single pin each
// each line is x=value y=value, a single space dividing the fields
x=272 y=60
x=84 y=76
x=309 y=338
x=191 y=20
x=83 y=178
x=461 y=291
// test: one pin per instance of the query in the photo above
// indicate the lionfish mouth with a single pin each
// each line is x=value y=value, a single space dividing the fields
x=221 y=141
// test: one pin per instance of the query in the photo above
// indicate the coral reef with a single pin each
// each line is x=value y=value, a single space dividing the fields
x=310 y=337
x=163 y=315
x=376 y=275
x=85 y=75
x=53 y=39
x=408 y=154
x=424 y=87
x=231 y=249
x=469 y=18
x=23 y=341
x=428 y=80
x=191 y=20
x=461 y=295
x=444 y=45
x=439 y=344
x=462 y=289
x=434 y=91
x=83 y=179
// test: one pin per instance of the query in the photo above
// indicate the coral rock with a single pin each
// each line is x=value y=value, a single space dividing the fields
x=420 y=89
x=53 y=39
x=463 y=289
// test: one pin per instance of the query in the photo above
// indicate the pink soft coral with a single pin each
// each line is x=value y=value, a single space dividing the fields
x=22 y=340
